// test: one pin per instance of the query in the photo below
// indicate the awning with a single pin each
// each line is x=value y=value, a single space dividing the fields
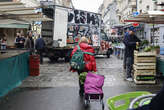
x=16 y=26
x=151 y=17
x=18 y=11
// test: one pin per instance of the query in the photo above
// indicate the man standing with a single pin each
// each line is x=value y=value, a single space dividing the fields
x=124 y=60
x=39 y=46
x=29 y=42
x=130 y=42
x=17 y=40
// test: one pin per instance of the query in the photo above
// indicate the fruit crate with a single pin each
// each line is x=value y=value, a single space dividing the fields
x=144 y=59
x=145 y=67
x=145 y=54
x=144 y=72
x=144 y=79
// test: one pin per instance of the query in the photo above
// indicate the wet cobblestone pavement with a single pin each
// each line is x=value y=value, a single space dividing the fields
x=58 y=74
x=57 y=88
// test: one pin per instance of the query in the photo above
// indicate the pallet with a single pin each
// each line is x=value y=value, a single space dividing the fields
x=144 y=66
x=144 y=82
x=147 y=59
x=152 y=53
x=145 y=72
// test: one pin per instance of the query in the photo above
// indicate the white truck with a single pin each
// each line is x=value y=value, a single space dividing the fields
x=68 y=27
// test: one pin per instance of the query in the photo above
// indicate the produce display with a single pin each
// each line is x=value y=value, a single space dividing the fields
x=144 y=46
x=150 y=48
x=82 y=77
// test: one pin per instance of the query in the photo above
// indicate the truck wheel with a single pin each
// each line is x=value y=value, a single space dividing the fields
x=108 y=54
x=53 y=59
x=67 y=59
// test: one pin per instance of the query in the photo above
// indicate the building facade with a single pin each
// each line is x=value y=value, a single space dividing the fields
x=110 y=18
x=125 y=8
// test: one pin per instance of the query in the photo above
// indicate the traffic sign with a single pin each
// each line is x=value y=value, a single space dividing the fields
x=135 y=14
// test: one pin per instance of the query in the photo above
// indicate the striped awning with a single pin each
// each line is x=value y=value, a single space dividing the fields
x=151 y=17
x=19 y=12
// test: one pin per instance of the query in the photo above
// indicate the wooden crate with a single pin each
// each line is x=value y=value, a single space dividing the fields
x=144 y=59
x=141 y=54
x=144 y=66
x=144 y=72
x=142 y=81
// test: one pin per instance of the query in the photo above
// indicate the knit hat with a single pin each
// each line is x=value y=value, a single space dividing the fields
x=132 y=29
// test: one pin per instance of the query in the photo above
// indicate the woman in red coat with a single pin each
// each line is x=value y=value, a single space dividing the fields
x=90 y=62
x=89 y=59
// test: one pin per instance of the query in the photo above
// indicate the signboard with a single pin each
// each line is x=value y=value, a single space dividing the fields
x=83 y=23
x=83 y=17
x=135 y=24
x=95 y=40
x=136 y=14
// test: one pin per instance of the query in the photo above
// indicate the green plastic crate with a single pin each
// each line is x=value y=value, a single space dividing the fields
x=126 y=98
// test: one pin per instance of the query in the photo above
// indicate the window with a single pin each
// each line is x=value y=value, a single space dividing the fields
x=129 y=1
x=147 y=7
x=162 y=5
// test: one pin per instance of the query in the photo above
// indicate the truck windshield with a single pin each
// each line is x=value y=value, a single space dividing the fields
x=104 y=36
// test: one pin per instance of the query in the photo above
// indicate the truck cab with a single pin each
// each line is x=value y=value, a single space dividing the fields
x=105 y=47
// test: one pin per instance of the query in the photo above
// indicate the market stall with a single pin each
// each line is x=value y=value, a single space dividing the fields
x=14 y=68
x=144 y=67
x=14 y=64
x=145 y=60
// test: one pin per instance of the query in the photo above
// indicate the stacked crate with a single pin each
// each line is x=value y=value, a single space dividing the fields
x=144 y=67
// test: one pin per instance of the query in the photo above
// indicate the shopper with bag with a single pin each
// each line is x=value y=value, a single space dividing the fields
x=82 y=59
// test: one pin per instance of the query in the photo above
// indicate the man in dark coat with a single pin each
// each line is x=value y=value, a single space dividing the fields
x=124 y=60
x=39 y=46
x=130 y=42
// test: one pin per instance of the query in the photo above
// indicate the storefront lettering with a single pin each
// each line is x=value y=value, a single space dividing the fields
x=82 y=17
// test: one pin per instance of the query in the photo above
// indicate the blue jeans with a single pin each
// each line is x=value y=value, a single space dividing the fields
x=3 y=47
x=129 y=66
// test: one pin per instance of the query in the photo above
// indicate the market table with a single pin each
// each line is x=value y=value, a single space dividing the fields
x=119 y=51
x=14 y=68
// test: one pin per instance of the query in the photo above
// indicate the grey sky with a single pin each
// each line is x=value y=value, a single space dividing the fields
x=87 y=5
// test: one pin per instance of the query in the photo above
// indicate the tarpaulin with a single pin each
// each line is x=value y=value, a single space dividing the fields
x=13 y=71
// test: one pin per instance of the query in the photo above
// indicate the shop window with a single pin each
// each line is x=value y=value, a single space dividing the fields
x=147 y=7
x=129 y=1
x=140 y=1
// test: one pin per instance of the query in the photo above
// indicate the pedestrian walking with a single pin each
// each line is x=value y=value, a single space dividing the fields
x=90 y=62
x=39 y=46
x=130 y=42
